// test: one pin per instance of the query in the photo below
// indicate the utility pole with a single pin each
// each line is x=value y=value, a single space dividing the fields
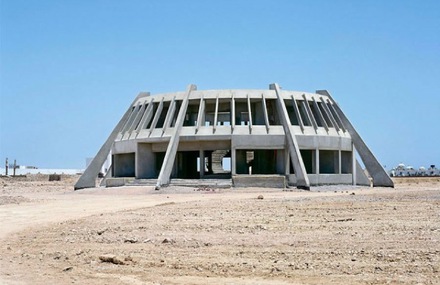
x=15 y=166
x=6 y=167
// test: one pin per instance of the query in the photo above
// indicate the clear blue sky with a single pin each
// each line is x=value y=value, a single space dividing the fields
x=69 y=69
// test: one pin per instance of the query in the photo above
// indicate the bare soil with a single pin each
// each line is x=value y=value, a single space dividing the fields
x=50 y=234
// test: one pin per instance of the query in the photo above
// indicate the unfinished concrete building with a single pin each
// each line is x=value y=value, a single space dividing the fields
x=262 y=138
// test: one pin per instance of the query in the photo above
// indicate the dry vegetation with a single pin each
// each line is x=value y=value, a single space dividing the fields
x=332 y=235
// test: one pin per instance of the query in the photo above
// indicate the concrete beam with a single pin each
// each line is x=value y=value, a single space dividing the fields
x=200 y=115
x=379 y=175
x=266 y=116
x=170 y=155
x=139 y=115
x=137 y=118
x=156 y=116
x=147 y=116
x=321 y=116
x=88 y=178
x=215 y=114
x=169 y=116
x=232 y=113
x=202 y=163
x=309 y=113
x=297 y=113
x=295 y=155
x=361 y=177
x=329 y=114
x=249 y=113
x=338 y=119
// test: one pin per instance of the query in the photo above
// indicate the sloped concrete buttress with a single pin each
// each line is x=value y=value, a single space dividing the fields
x=379 y=175
x=88 y=178
x=295 y=155
x=361 y=177
x=170 y=155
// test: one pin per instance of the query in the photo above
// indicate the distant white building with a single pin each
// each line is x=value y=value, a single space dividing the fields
x=402 y=170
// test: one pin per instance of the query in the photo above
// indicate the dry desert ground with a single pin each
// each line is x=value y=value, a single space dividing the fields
x=50 y=234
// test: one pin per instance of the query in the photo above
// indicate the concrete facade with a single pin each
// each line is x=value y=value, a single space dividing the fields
x=255 y=137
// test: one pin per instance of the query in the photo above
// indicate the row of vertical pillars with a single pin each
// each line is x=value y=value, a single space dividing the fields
x=318 y=161
x=233 y=112
x=223 y=163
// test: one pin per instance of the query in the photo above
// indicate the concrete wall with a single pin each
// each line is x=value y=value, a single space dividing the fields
x=324 y=179
x=124 y=165
x=145 y=162
x=265 y=181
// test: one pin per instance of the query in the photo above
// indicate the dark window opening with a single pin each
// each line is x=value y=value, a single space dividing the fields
x=272 y=112
x=324 y=114
x=155 y=106
x=209 y=112
x=291 y=111
x=262 y=161
x=191 y=114
x=308 y=157
x=124 y=165
x=303 y=112
x=334 y=114
x=224 y=112
x=346 y=162
x=186 y=164
x=241 y=112
x=176 y=114
x=163 y=115
x=143 y=110
x=328 y=162
x=316 y=114
x=257 y=112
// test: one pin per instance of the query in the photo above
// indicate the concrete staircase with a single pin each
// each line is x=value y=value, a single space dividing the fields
x=217 y=158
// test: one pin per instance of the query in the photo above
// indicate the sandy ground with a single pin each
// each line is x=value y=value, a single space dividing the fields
x=50 y=234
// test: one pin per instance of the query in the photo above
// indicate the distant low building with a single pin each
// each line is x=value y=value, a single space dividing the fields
x=401 y=171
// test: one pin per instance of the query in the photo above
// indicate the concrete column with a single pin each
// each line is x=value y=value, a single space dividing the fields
x=233 y=112
x=202 y=163
x=233 y=161
x=147 y=116
x=321 y=116
x=170 y=155
x=309 y=112
x=353 y=163
x=379 y=175
x=88 y=178
x=266 y=116
x=127 y=124
x=286 y=161
x=250 y=113
x=298 y=164
x=298 y=115
x=200 y=115
x=337 y=118
x=169 y=116
x=137 y=118
x=329 y=114
x=340 y=162
x=215 y=114
x=157 y=115
x=317 y=160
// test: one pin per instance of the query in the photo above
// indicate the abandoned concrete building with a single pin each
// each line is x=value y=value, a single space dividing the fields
x=270 y=137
